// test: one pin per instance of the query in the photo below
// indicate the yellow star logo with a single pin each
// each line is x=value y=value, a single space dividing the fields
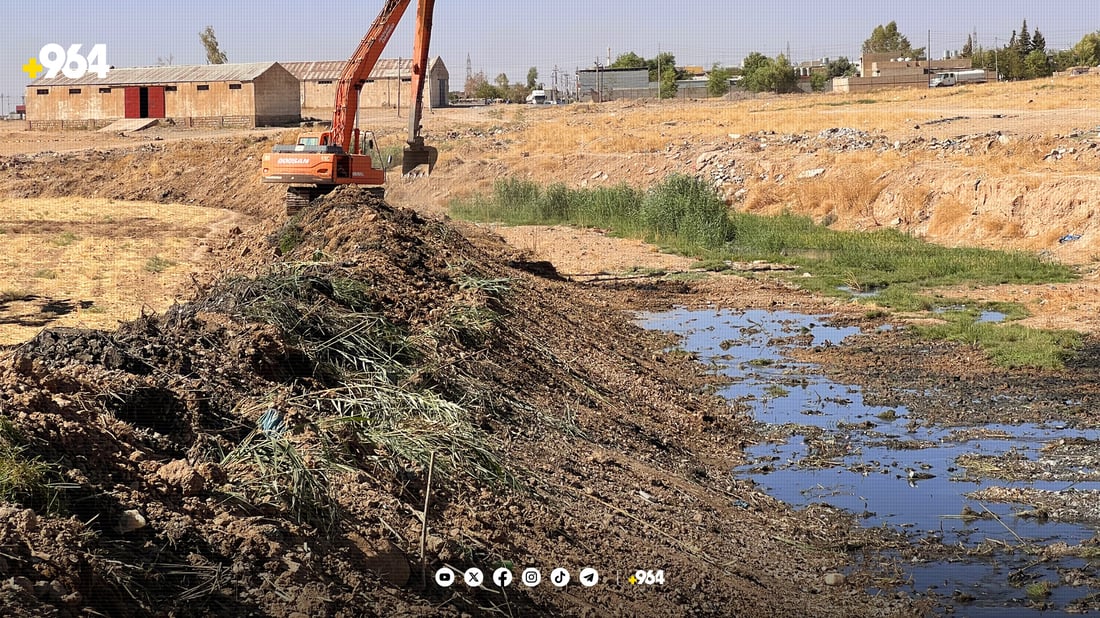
x=633 y=580
x=32 y=68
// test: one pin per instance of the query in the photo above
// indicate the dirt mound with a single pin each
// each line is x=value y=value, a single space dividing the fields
x=265 y=448
x=222 y=173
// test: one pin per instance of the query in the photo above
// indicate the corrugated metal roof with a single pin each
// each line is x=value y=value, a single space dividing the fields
x=166 y=75
x=386 y=68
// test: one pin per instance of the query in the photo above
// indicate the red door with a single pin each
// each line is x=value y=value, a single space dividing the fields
x=133 y=102
x=156 y=102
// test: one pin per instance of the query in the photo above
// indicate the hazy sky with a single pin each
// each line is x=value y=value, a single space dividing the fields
x=511 y=36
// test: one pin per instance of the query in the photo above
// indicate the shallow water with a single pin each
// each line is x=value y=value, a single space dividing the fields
x=875 y=461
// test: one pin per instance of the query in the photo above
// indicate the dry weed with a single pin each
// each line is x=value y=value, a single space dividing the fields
x=100 y=258
x=947 y=215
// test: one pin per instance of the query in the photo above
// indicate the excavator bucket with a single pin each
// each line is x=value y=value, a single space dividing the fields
x=418 y=159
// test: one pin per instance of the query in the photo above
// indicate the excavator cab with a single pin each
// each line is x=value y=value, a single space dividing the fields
x=364 y=144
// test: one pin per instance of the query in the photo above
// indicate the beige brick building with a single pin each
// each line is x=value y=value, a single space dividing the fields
x=239 y=95
x=886 y=70
x=388 y=85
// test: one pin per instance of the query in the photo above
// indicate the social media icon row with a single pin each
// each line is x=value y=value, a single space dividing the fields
x=502 y=577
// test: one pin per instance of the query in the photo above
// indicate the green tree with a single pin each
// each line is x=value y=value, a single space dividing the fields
x=718 y=80
x=968 y=47
x=763 y=74
x=842 y=67
x=516 y=93
x=1024 y=41
x=665 y=62
x=1063 y=60
x=668 y=87
x=982 y=58
x=784 y=78
x=1087 y=49
x=1036 y=64
x=501 y=81
x=532 y=77
x=888 y=39
x=752 y=63
x=214 y=54
x=1012 y=63
x=473 y=83
x=481 y=88
x=1038 y=41
x=818 y=81
x=629 y=60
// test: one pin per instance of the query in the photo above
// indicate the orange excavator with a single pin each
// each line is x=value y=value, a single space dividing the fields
x=343 y=155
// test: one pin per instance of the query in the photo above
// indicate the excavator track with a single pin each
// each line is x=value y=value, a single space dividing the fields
x=298 y=198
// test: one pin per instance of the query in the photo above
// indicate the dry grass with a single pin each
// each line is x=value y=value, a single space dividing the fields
x=611 y=137
x=848 y=191
x=637 y=127
x=948 y=215
x=97 y=251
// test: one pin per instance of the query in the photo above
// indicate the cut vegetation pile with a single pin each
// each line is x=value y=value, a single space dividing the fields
x=265 y=449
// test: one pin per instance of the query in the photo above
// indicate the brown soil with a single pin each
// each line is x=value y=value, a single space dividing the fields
x=620 y=454
x=621 y=462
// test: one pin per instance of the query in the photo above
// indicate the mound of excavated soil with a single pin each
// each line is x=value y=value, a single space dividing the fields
x=265 y=448
x=221 y=173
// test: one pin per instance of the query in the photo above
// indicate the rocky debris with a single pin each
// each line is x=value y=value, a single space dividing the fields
x=719 y=163
x=63 y=346
x=1058 y=153
x=131 y=520
x=180 y=476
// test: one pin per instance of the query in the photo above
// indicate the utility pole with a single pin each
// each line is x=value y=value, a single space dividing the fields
x=996 y=62
x=399 y=88
x=658 y=71
x=469 y=75
x=555 y=74
x=599 y=82
x=928 y=58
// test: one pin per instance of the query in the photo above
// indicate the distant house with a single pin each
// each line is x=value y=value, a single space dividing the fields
x=693 y=88
x=601 y=84
x=886 y=70
x=807 y=69
x=692 y=71
x=218 y=95
x=388 y=85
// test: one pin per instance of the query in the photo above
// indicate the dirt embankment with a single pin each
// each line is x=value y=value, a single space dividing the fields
x=221 y=173
x=243 y=453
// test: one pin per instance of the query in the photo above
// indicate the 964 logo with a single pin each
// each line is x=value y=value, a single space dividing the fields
x=647 y=577
x=70 y=62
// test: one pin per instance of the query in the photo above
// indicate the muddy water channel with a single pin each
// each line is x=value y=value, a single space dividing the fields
x=993 y=520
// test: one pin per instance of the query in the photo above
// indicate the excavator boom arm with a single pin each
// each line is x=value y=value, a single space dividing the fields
x=424 y=11
x=359 y=67
x=416 y=155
